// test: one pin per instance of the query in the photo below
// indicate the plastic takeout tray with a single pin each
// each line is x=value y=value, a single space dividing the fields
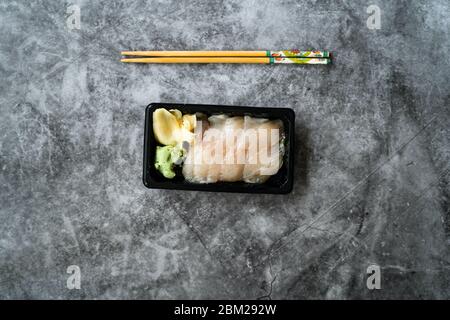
x=280 y=183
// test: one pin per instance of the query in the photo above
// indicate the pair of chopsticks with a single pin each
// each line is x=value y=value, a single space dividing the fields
x=260 y=57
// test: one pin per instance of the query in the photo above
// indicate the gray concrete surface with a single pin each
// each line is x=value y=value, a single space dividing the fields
x=371 y=181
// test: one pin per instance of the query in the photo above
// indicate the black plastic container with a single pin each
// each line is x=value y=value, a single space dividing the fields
x=279 y=183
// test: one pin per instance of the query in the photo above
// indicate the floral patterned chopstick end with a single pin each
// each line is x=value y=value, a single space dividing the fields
x=298 y=54
x=299 y=60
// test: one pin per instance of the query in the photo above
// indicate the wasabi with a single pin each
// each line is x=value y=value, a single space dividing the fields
x=166 y=158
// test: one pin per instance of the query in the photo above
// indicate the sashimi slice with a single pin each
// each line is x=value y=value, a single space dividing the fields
x=269 y=153
x=233 y=166
x=214 y=147
x=193 y=169
x=251 y=168
x=254 y=170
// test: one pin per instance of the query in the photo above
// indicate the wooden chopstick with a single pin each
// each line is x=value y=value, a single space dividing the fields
x=261 y=53
x=258 y=60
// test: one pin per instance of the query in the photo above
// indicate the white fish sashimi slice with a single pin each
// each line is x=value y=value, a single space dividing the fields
x=233 y=165
x=193 y=169
x=254 y=170
x=216 y=148
x=251 y=169
x=270 y=157
x=188 y=171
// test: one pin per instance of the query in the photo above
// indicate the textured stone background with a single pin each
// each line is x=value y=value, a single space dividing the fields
x=371 y=183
